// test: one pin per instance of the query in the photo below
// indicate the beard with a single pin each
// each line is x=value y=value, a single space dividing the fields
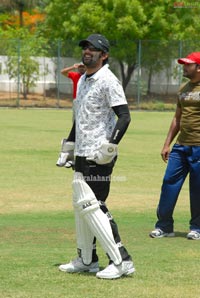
x=91 y=61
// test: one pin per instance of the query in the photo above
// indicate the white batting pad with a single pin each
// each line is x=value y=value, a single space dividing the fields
x=84 y=238
x=99 y=224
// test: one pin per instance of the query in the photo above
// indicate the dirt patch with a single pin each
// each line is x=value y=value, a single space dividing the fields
x=51 y=100
x=34 y=100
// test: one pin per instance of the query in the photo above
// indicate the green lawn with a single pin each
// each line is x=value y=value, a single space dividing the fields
x=37 y=223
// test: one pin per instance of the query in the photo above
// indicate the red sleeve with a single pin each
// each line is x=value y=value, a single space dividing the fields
x=74 y=76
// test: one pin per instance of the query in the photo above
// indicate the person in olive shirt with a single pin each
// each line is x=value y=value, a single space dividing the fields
x=184 y=158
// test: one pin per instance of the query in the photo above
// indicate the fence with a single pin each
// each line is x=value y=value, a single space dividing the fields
x=149 y=72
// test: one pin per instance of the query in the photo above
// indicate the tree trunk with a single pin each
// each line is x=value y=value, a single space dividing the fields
x=149 y=82
x=126 y=75
x=20 y=5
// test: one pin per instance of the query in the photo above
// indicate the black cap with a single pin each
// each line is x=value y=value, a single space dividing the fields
x=98 y=41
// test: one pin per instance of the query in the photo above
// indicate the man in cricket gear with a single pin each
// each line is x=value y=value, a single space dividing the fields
x=101 y=120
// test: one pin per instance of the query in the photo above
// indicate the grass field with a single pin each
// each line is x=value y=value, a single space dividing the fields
x=37 y=223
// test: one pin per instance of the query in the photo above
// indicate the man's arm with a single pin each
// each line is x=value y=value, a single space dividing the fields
x=122 y=124
x=72 y=134
x=66 y=70
x=108 y=151
x=173 y=130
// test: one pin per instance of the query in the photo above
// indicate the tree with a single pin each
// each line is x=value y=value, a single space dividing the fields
x=22 y=48
x=22 y=42
x=124 y=22
x=21 y=6
x=167 y=26
x=120 y=20
x=26 y=69
x=30 y=20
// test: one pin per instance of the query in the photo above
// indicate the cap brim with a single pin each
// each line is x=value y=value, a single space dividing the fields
x=83 y=42
x=185 y=61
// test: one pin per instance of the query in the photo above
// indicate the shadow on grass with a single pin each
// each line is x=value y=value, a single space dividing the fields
x=181 y=234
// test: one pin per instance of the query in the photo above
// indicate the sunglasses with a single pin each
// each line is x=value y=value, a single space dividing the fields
x=91 y=48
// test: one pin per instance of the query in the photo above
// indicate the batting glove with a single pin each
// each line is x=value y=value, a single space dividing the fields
x=105 y=155
x=66 y=156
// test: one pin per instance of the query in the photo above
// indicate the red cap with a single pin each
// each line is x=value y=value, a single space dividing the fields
x=191 y=58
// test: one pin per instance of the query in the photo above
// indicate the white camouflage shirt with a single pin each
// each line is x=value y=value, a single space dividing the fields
x=94 y=116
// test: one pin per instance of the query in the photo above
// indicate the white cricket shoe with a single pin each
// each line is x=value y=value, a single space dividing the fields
x=78 y=266
x=113 y=271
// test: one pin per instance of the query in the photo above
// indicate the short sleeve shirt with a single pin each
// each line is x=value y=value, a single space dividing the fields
x=189 y=102
x=74 y=76
x=95 y=118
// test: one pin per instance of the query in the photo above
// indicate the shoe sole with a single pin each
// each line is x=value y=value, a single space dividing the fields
x=93 y=270
x=130 y=271
x=163 y=235
x=192 y=238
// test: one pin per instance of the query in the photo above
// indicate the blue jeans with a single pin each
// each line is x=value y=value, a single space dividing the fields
x=183 y=160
